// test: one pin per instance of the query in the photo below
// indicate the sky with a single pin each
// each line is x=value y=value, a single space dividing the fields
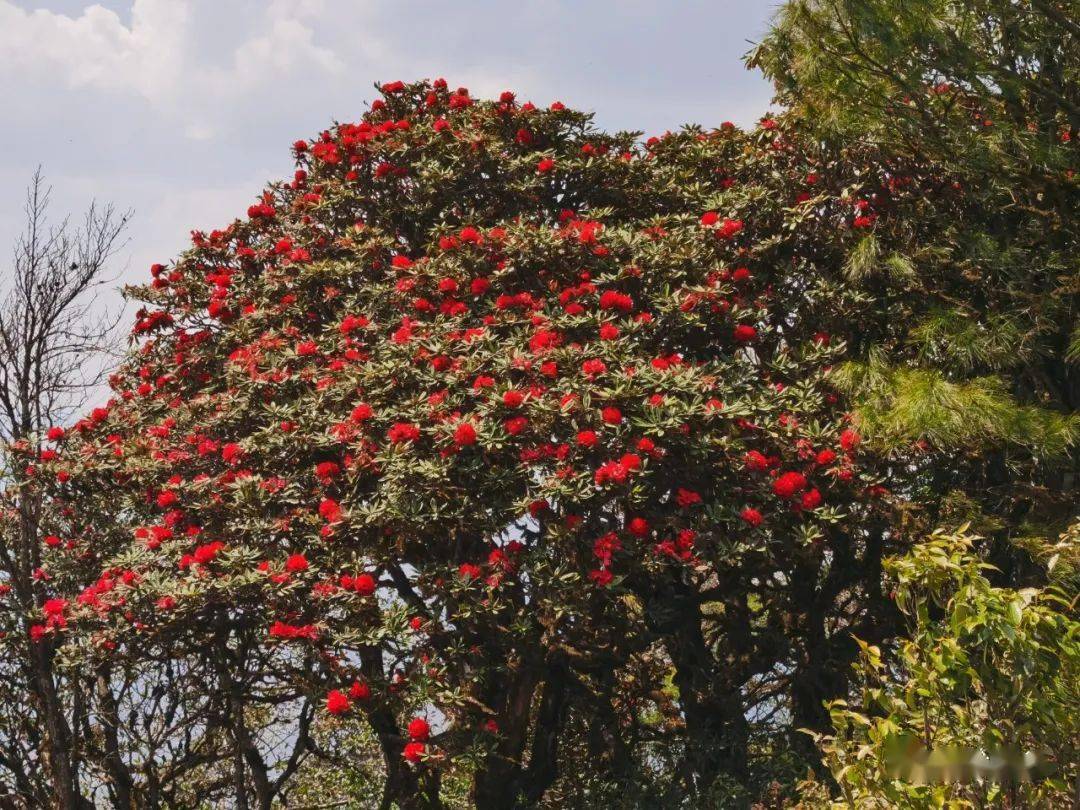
x=181 y=110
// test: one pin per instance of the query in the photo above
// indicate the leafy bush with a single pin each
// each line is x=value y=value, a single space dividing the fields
x=983 y=668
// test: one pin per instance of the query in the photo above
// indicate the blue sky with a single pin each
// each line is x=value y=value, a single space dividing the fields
x=182 y=109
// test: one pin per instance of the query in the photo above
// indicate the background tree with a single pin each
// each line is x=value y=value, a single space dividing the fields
x=967 y=372
x=53 y=339
x=71 y=735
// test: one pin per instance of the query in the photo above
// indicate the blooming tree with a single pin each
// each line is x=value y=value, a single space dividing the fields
x=483 y=416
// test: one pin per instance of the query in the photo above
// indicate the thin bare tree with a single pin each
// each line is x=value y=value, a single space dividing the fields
x=54 y=333
x=55 y=340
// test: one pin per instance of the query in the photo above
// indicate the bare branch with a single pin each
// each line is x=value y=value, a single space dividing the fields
x=55 y=334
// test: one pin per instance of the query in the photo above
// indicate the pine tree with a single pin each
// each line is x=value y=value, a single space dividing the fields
x=974 y=357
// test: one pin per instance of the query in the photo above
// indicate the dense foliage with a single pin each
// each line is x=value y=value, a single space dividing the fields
x=978 y=355
x=977 y=364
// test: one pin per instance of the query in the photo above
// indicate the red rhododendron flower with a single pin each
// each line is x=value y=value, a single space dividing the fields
x=361 y=413
x=351 y=323
x=744 y=333
x=469 y=571
x=789 y=483
x=336 y=702
x=289 y=631
x=587 y=438
x=364 y=584
x=296 y=563
x=207 y=552
x=825 y=457
x=516 y=425
x=811 y=499
x=849 y=440
x=756 y=461
x=326 y=471
x=418 y=729
x=593 y=368
x=403 y=432
x=729 y=227
x=687 y=497
x=464 y=435
x=617 y=471
x=232 y=453
x=612 y=299
x=751 y=516
x=601 y=577
x=330 y=510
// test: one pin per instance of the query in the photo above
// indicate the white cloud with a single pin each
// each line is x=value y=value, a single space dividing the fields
x=162 y=56
x=295 y=9
x=95 y=48
x=199 y=131
x=285 y=47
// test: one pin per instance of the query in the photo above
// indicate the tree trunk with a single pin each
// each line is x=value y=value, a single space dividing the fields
x=497 y=783
x=716 y=726
x=551 y=717
x=57 y=732
x=122 y=783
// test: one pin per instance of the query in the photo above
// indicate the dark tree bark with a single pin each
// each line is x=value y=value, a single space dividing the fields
x=121 y=782
x=716 y=727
